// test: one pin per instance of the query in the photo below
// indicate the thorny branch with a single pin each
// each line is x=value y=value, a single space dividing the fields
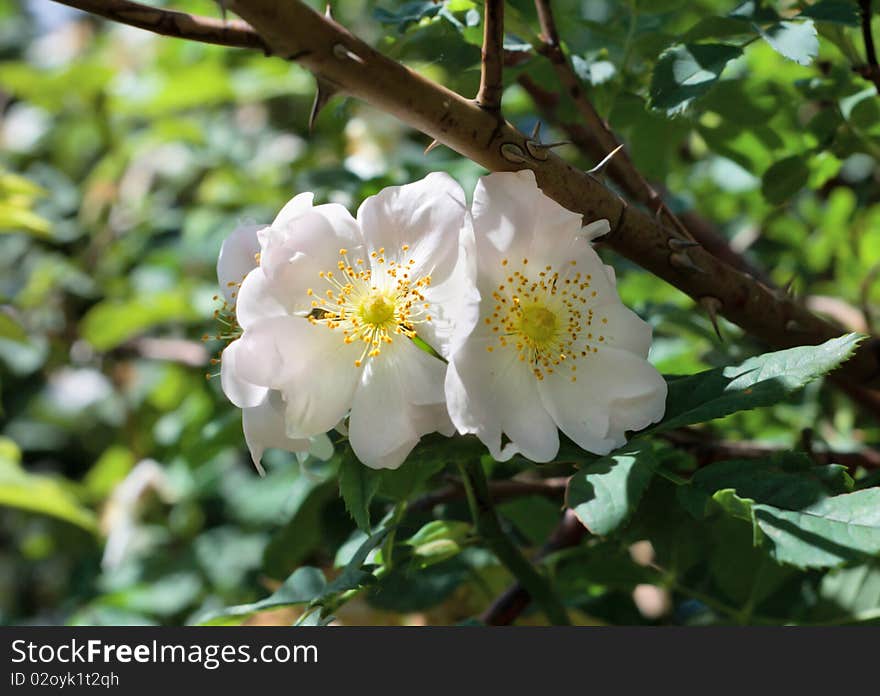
x=623 y=172
x=234 y=33
x=491 y=87
x=707 y=451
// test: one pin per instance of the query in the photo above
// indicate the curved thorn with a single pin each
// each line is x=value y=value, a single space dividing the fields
x=682 y=261
x=434 y=143
x=341 y=51
x=536 y=132
x=604 y=163
x=713 y=305
x=324 y=94
x=677 y=244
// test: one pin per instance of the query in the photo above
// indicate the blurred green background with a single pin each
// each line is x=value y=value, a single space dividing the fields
x=126 y=494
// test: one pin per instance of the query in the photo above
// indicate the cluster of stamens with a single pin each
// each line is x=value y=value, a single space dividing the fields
x=546 y=316
x=371 y=303
x=229 y=330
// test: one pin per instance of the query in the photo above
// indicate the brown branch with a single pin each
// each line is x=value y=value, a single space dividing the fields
x=707 y=451
x=507 y=608
x=234 y=33
x=870 y=51
x=491 y=86
x=870 y=71
x=596 y=139
x=623 y=172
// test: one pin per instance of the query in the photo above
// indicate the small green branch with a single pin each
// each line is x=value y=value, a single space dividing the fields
x=489 y=528
x=388 y=544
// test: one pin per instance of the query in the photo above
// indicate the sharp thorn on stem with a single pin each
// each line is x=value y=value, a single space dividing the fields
x=323 y=95
x=678 y=244
x=536 y=132
x=682 y=261
x=599 y=168
x=342 y=52
x=713 y=305
x=434 y=143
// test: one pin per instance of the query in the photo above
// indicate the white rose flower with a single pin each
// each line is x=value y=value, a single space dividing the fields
x=262 y=409
x=554 y=347
x=330 y=316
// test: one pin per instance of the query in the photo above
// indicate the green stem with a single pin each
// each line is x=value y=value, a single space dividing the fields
x=388 y=544
x=489 y=528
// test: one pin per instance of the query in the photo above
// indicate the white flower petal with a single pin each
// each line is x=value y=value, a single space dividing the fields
x=514 y=219
x=493 y=393
x=312 y=366
x=400 y=398
x=263 y=427
x=237 y=257
x=596 y=229
x=256 y=300
x=455 y=303
x=623 y=329
x=320 y=394
x=292 y=258
x=269 y=350
x=615 y=391
x=427 y=216
x=296 y=206
x=241 y=393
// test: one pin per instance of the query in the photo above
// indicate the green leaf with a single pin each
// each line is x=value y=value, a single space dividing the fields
x=11 y=329
x=357 y=485
x=784 y=178
x=788 y=479
x=407 y=14
x=760 y=381
x=850 y=594
x=797 y=520
x=305 y=585
x=429 y=457
x=604 y=494
x=353 y=575
x=687 y=71
x=719 y=28
x=797 y=41
x=302 y=533
x=826 y=534
x=833 y=11
x=110 y=323
x=38 y=493
x=14 y=218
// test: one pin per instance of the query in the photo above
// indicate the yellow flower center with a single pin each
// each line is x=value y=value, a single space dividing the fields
x=377 y=309
x=537 y=324
x=372 y=302
x=546 y=315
